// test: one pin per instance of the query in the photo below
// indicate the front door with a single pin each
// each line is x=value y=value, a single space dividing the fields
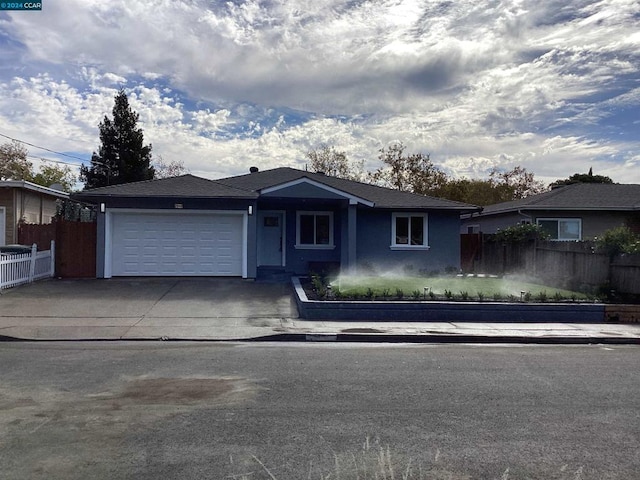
x=270 y=238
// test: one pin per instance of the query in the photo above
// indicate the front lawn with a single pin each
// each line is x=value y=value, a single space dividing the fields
x=474 y=288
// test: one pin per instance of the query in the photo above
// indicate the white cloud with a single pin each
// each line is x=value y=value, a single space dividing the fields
x=477 y=85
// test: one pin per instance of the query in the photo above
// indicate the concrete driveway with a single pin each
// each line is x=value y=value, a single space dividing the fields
x=221 y=308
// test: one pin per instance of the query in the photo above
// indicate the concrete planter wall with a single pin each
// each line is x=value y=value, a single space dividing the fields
x=432 y=311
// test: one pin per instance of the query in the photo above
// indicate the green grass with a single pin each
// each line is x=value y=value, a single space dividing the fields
x=454 y=287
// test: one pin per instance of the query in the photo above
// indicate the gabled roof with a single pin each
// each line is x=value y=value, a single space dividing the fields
x=252 y=185
x=380 y=197
x=579 y=196
x=33 y=187
x=182 y=186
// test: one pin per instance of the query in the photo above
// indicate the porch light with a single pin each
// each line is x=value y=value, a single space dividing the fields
x=103 y=207
x=250 y=210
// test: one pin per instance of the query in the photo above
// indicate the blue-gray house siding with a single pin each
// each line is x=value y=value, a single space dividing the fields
x=371 y=236
x=374 y=243
x=363 y=219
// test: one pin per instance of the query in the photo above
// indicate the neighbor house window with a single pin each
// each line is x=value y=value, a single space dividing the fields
x=409 y=231
x=562 y=229
x=314 y=230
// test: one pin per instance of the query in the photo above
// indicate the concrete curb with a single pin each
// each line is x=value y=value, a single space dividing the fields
x=364 y=338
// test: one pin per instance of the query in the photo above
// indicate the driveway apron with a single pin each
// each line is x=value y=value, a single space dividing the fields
x=145 y=308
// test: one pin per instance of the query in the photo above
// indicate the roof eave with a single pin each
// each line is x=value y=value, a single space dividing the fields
x=430 y=207
x=561 y=209
x=90 y=198
x=34 y=187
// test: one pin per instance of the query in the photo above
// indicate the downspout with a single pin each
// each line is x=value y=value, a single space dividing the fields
x=525 y=215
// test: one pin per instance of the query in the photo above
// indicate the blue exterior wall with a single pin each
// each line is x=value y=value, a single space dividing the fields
x=308 y=198
x=298 y=259
x=372 y=231
x=100 y=244
x=252 y=245
x=374 y=241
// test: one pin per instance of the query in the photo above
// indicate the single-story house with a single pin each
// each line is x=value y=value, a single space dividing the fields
x=27 y=202
x=580 y=211
x=280 y=220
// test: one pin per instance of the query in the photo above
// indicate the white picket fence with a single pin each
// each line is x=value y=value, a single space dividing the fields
x=21 y=268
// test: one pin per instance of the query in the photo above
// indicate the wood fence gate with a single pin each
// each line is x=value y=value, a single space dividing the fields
x=470 y=251
x=75 y=245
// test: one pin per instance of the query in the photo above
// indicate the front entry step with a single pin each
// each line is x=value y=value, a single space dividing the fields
x=273 y=275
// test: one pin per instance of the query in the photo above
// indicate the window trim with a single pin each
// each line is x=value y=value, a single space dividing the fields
x=425 y=231
x=561 y=219
x=314 y=246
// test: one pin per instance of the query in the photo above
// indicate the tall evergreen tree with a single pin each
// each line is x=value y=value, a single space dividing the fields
x=122 y=157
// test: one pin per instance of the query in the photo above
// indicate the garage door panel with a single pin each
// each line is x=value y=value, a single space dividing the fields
x=176 y=244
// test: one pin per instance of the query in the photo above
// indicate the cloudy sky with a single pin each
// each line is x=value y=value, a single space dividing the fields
x=551 y=85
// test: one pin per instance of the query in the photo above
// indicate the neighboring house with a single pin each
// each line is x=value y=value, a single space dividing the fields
x=27 y=202
x=580 y=211
x=282 y=220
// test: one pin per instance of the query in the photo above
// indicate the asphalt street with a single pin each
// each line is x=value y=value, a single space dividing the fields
x=318 y=411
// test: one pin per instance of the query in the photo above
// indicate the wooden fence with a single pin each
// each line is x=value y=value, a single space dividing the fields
x=573 y=265
x=75 y=245
x=21 y=268
x=625 y=274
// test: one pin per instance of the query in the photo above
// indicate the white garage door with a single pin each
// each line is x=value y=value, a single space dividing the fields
x=178 y=244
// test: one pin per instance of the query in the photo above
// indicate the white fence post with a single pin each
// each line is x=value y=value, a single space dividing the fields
x=32 y=266
x=20 y=268
x=53 y=257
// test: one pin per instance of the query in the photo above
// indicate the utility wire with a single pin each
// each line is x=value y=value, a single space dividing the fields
x=53 y=161
x=43 y=148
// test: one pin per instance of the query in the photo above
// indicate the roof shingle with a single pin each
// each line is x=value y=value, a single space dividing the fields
x=579 y=196
x=250 y=185
x=182 y=186
x=380 y=196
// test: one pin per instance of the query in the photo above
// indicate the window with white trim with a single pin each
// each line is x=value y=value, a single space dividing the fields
x=314 y=230
x=562 y=229
x=409 y=231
